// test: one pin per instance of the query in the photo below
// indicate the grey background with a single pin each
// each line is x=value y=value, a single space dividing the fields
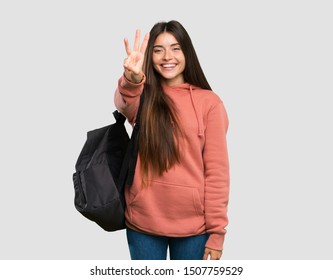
x=271 y=63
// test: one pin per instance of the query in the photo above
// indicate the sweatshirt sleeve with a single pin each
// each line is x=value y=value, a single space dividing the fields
x=216 y=165
x=127 y=97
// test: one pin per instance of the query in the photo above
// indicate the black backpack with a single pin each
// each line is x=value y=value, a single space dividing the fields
x=106 y=163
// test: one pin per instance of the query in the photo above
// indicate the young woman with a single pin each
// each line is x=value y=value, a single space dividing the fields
x=179 y=196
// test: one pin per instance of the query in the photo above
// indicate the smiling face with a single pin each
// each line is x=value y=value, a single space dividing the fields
x=169 y=59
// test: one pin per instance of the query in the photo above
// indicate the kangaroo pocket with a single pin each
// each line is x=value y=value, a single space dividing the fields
x=168 y=209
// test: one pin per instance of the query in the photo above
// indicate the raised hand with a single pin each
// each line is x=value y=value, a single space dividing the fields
x=134 y=61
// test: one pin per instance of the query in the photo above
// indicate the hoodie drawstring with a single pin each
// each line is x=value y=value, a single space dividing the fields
x=200 y=125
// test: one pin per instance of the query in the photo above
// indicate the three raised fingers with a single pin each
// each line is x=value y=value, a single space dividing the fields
x=137 y=43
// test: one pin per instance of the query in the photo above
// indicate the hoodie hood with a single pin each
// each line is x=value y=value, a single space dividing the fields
x=185 y=89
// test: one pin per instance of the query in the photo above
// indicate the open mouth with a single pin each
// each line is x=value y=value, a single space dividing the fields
x=168 y=66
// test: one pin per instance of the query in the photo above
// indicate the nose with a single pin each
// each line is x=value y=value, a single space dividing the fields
x=167 y=55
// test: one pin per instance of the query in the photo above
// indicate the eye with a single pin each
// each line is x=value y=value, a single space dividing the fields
x=157 y=50
x=176 y=49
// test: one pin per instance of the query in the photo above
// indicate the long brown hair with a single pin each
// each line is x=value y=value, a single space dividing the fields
x=160 y=132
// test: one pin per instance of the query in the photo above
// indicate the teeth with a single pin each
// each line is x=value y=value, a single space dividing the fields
x=168 y=65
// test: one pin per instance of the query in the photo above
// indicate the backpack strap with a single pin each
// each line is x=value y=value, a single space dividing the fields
x=120 y=118
x=131 y=155
x=134 y=146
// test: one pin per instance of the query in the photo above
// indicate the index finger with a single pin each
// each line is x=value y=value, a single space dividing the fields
x=127 y=47
x=144 y=43
x=205 y=256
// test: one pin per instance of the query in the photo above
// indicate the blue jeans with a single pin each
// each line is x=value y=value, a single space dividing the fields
x=152 y=247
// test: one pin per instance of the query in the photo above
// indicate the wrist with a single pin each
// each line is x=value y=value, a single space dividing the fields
x=134 y=78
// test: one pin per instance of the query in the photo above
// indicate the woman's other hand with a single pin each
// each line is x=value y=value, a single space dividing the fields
x=214 y=254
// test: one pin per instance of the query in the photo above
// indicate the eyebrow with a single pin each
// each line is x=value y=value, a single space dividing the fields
x=160 y=46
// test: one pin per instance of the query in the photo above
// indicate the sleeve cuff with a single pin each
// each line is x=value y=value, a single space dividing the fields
x=129 y=89
x=215 y=241
x=124 y=82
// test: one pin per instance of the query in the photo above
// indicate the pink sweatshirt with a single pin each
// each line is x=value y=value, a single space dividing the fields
x=192 y=197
